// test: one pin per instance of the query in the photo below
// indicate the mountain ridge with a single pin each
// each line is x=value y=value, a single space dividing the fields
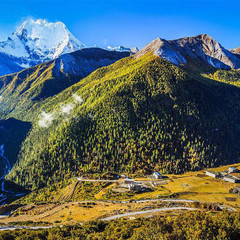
x=135 y=113
x=39 y=41
x=123 y=49
x=135 y=116
x=200 y=47
x=33 y=85
x=236 y=51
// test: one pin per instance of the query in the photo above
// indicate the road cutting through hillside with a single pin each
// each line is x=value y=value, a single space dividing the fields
x=148 y=211
x=128 y=214
x=11 y=228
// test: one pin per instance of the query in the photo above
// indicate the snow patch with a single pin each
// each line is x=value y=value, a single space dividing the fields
x=122 y=49
x=23 y=65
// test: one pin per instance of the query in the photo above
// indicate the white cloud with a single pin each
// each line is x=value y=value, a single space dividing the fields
x=91 y=115
x=66 y=109
x=45 y=119
x=77 y=98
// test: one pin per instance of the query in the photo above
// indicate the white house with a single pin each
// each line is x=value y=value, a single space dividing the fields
x=212 y=174
x=157 y=175
x=133 y=185
x=231 y=179
x=232 y=170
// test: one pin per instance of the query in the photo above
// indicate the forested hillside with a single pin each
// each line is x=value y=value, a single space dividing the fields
x=231 y=77
x=133 y=116
x=23 y=92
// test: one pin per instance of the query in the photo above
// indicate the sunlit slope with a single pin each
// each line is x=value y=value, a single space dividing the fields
x=133 y=116
x=21 y=93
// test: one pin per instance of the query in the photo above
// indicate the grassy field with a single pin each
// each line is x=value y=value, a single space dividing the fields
x=191 y=185
x=197 y=186
x=75 y=212
x=69 y=204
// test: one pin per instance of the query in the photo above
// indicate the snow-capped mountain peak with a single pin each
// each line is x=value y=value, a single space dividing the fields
x=38 y=41
x=122 y=49
x=42 y=36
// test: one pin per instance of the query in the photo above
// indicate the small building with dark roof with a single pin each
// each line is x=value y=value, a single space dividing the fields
x=232 y=170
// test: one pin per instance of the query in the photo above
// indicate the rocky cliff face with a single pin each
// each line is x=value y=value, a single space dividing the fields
x=84 y=61
x=201 y=47
x=165 y=50
x=236 y=51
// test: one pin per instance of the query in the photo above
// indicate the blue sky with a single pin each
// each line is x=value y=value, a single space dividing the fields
x=130 y=22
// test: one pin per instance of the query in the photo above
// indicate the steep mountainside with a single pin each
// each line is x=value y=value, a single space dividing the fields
x=236 y=51
x=36 y=42
x=8 y=64
x=12 y=134
x=133 y=116
x=20 y=91
x=200 y=48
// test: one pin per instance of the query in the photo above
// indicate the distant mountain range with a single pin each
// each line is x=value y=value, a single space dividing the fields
x=122 y=49
x=39 y=41
x=172 y=106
